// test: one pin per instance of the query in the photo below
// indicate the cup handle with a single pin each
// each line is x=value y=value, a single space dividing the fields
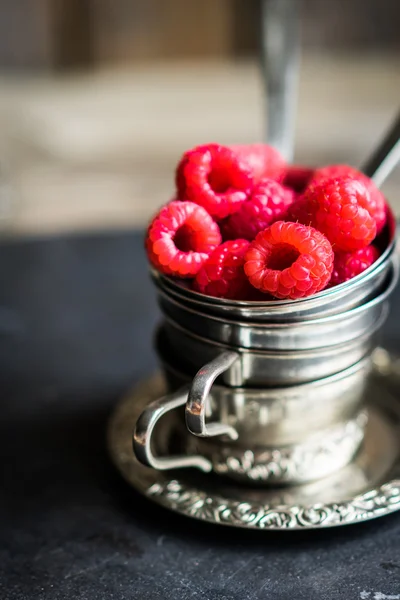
x=142 y=436
x=198 y=394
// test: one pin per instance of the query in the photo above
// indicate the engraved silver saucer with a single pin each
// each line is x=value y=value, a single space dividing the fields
x=369 y=487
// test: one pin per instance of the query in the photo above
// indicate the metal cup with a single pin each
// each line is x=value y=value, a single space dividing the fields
x=295 y=335
x=300 y=365
x=335 y=300
x=268 y=355
x=283 y=435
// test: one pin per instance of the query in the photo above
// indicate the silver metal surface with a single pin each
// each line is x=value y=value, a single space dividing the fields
x=368 y=487
x=144 y=430
x=280 y=66
x=302 y=335
x=316 y=457
x=386 y=157
x=324 y=352
x=269 y=368
x=199 y=391
x=279 y=416
x=269 y=446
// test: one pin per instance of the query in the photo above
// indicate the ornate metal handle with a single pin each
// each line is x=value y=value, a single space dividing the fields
x=144 y=429
x=198 y=394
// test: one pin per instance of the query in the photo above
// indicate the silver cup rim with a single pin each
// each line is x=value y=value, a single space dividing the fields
x=301 y=324
x=198 y=298
x=279 y=354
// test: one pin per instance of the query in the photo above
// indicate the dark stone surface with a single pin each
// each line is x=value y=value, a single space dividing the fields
x=76 y=325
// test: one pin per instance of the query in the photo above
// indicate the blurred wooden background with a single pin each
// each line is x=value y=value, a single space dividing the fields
x=100 y=97
x=59 y=34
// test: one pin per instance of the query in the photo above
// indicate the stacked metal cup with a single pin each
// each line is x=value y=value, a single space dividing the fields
x=287 y=405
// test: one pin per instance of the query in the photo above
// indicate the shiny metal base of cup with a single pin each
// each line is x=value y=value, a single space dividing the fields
x=366 y=488
x=316 y=457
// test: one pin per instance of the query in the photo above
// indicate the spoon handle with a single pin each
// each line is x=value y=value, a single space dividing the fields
x=386 y=157
x=280 y=65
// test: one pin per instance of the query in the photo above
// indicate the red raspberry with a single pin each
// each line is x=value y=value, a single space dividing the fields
x=377 y=204
x=268 y=202
x=180 y=239
x=215 y=178
x=263 y=160
x=349 y=264
x=289 y=260
x=298 y=177
x=153 y=258
x=222 y=275
x=339 y=209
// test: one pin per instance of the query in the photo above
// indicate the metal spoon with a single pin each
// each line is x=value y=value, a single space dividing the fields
x=280 y=55
x=280 y=52
x=386 y=157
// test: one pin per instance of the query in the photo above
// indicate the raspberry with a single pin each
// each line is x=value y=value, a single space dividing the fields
x=349 y=264
x=180 y=238
x=298 y=177
x=263 y=160
x=222 y=275
x=289 y=260
x=268 y=202
x=339 y=209
x=376 y=206
x=153 y=258
x=215 y=178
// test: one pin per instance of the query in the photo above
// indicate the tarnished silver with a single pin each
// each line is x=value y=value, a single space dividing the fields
x=311 y=350
x=368 y=487
x=267 y=445
x=271 y=377
x=386 y=156
x=271 y=417
x=199 y=391
x=318 y=456
x=271 y=390
x=144 y=428
x=264 y=368
x=301 y=335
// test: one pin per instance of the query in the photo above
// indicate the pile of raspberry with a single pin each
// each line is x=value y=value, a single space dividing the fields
x=245 y=225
